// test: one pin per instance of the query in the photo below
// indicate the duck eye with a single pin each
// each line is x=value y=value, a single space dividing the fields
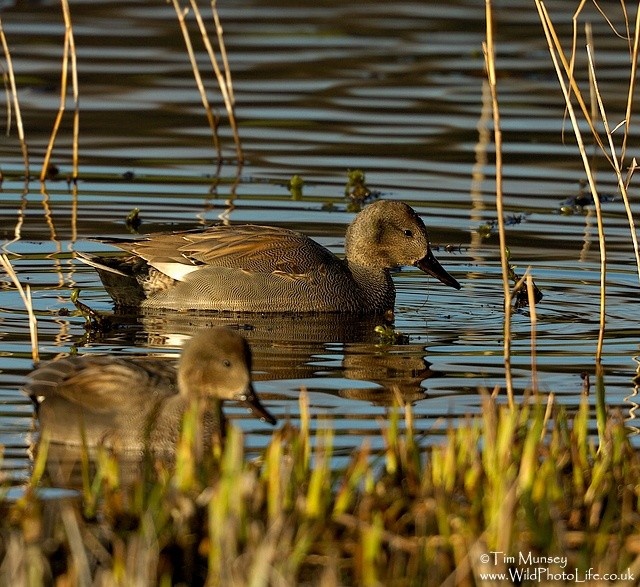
x=226 y=363
x=408 y=233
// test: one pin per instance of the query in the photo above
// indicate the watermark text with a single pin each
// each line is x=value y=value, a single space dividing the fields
x=526 y=566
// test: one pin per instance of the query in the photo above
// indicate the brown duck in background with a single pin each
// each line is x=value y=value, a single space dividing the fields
x=137 y=403
x=266 y=269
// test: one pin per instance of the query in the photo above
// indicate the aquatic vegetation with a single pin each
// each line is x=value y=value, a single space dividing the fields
x=490 y=228
x=295 y=185
x=520 y=287
x=508 y=491
x=577 y=203
x=390 y=336
x=356 y=191
x=133 y=220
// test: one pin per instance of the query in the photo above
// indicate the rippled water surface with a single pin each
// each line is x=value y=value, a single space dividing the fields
x=395 y=89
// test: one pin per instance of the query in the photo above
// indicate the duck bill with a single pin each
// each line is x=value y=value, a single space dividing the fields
x=430 y=265
x=251 y=401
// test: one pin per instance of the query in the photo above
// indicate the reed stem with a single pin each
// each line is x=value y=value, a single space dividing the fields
x=228 y=83
x=489 y=52
x=632 y=84
x=533 y=318
x=69 y=53
x=25 y=294
x=557 y=56
x=212 y=118
x=16 y=103
x=74 y=85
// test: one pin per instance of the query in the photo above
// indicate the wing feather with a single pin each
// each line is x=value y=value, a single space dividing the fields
x=95 y=383
x=253 y=248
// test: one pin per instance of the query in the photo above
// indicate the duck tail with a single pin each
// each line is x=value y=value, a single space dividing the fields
x=100 y=263
x=123 y=278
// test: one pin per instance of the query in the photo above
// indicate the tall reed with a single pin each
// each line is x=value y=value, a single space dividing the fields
x=565 y=71
x=490 y=63
x=12 y=98
x=222 y=74
x=69 y=54
x=25 y=294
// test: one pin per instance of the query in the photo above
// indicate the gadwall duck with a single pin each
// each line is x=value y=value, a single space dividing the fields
x=139 y=403
x=265 y=269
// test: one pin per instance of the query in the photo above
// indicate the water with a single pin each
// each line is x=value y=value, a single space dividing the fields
x=393 y=88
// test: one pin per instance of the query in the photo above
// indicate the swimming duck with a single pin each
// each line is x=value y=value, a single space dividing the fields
x=138 y=403
x=249 y=268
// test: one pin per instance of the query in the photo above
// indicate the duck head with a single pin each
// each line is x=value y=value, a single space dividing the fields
x=216 y=364
x=389 y=234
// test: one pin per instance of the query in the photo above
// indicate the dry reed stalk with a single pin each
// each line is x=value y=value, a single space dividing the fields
x=489 y=53
x=573 y=86
x=224 y=80
x=622 y=182
x=229 y=83
x=547 y=415
x=69 y=50
x=212 y=118
x=223 y=49
x=593 y=99
x=598 y=107
x=16 y=103
x=74 y=84
x=557 y=57
x=632 y=84
x=615 y=161
x=574 y=19
x=635 y=52
x=76 y=544
x=26 y=298
x=531 y=295
x=554 y=41
x=7 y=90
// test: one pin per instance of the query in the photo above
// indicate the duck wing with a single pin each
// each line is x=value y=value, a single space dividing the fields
x=252 y=248
x=102 y=384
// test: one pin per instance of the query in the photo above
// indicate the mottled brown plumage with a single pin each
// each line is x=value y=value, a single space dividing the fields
x=138 y=403
x=267 y=269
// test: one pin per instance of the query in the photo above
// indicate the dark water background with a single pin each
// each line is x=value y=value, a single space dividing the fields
x=393 y=88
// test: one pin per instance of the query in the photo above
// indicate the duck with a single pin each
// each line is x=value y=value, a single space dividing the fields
x=138 y=404
x=266 y=269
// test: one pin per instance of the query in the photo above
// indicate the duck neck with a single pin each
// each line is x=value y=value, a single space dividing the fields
x=216 y=428
x=203 y=425
x=377 y=290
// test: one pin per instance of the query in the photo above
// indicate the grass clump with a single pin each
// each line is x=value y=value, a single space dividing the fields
x=509 y=484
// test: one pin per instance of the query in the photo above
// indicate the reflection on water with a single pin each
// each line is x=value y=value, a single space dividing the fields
x=395 y=89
